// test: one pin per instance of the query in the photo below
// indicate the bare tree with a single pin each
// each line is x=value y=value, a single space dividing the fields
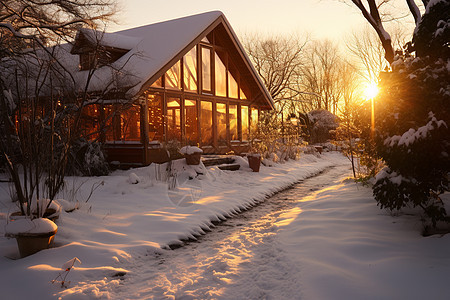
x=49 y=21
x=322 y=75
x=372 y=11
x=40 y=101
x=277 y=60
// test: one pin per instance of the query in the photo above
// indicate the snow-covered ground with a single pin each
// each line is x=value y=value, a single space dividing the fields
x=335 y=243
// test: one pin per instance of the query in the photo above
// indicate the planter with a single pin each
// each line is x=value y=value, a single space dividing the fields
x=52 y=213
x=30 y=243
x=254 y=162
x=192 y=154
x=193 y=159
x=32 y=235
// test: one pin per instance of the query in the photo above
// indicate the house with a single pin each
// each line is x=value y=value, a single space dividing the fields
x=186 y=80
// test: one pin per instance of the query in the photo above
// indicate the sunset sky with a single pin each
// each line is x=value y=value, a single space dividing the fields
x=330 y=19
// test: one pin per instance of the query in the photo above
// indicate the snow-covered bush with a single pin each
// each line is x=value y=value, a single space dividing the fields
x=413 y=119
x=276 y=140
x=323 y=124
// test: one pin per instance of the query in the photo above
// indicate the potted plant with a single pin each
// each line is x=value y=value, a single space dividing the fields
x=254 y=161
x=32 y=235
x=52 y=210
x=192 y=154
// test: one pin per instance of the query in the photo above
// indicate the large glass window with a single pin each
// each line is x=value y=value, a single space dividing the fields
x=191 y=122
x=173 y=119
x=244 y=91
x=206 y=124
x=232 y=87
x=254 y=120
x=91 y=124
x=155 y=117
x=190 y=70
x=221 y=77
x=173 y=77
x=242 y=95
x=244 y=122
x=233 y=114
x=130 y=124
x=221 y=117
x=157 y=83
x=112 y=123
x=206 y=69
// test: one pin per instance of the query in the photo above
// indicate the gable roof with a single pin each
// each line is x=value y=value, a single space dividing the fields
x=154 y=48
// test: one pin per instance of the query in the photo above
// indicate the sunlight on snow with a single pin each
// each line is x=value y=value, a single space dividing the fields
x=210 y=199
x=111 y=232
x=288 y=216
x=313 y=196
x=168 y=216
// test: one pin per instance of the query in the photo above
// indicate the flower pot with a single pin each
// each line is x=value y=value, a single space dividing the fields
x=30 y=243
x=31 y=235
x=52 y=213
x=192 y=154
x=254 y=162
x=193 y=159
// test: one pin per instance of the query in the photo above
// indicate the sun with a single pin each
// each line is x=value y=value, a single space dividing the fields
x=371 y=90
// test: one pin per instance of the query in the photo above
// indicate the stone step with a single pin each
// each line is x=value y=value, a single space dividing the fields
x=229 y=167
x=215 y=160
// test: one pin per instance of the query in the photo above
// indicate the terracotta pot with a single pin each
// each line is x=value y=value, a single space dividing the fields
x=193 y=159
x=254 y=162
x=30 y=243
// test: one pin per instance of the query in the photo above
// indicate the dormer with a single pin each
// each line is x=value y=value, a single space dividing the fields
x=94 y=51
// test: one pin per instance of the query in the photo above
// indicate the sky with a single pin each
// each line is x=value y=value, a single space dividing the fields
x=330 y=19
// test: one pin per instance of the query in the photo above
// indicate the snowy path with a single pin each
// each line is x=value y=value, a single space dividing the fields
x=239 y=259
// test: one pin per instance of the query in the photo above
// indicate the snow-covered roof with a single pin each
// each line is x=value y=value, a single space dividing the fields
x=152 y=49
x=148 y=52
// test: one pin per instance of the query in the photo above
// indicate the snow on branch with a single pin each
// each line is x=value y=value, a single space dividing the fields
x=411 y=136
x=374 y=19
x=414 y=9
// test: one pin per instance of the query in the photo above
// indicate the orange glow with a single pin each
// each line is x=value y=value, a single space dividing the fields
x=371 y=91
x=288 y=216
x=111 y=232
x=167 y=216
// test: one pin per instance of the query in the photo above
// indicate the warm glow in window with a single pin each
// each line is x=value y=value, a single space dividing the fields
x=112 y=123
x=244 y=122
x=155 y=117
x=206 y=123
x=190 y=70
x=221 y=117
x=232 y=87
x=206 y=69
x=244 y=92
x=91 y=126
x=157 y=83
x=130 y=124
x=173 y=119
x=242 y=95
x=191 y=122
x=221 y=77
x=233 y=113
x=254 y=120
x=173 y=77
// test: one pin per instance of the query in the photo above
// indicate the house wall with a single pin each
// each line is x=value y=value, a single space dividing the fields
x=202 y=100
